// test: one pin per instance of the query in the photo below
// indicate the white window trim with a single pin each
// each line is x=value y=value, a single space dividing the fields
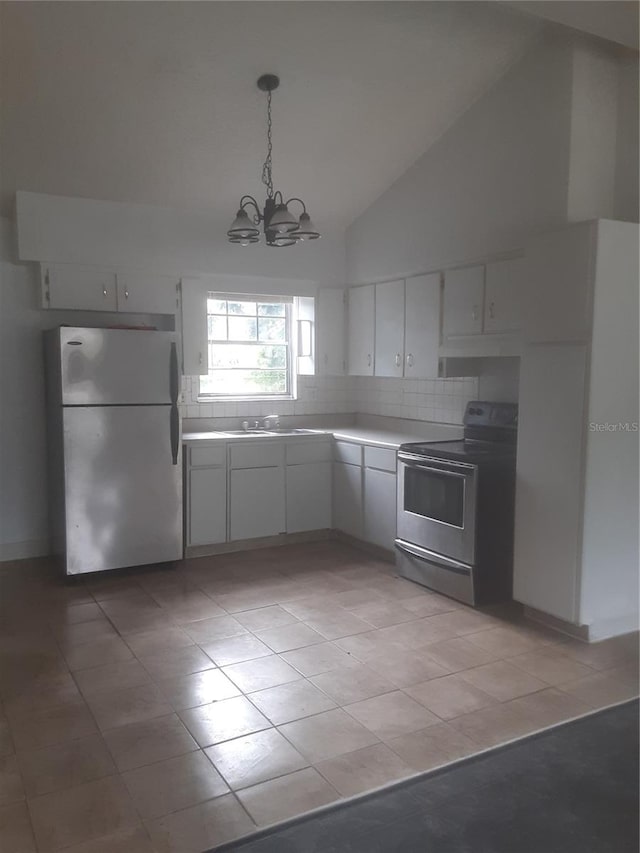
x=205 y=398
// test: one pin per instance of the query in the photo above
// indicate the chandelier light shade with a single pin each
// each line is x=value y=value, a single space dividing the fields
x=280 y=225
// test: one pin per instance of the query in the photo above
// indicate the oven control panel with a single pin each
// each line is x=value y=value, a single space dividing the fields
x=481 y=413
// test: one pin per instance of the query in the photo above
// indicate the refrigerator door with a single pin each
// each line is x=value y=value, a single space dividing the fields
x=102 y=367
x=123 y=490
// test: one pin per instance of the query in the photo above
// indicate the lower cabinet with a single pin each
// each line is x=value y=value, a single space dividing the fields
x=380 y=507
x=207 y=506
x=256 y=489
x=257 y=506
x=347 y=498
x=308 y=497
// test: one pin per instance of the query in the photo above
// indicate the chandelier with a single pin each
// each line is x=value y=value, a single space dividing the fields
x=281 y=227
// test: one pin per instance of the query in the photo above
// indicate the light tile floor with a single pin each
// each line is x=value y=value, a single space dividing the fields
x=175 y=708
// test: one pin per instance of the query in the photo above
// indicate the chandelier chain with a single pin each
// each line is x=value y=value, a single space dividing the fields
x=267 y=178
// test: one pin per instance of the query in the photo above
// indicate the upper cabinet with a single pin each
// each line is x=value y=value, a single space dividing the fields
x=503 y=295
x=330 y=337
x=482 y=309
x=147 y=293
x=422 y=326
x=361 y=326
x=408 y=327
x=84 y=288
x=88 y=288
x=389 y=329
x=463 y=302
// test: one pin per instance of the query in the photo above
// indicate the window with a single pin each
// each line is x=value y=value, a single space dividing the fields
x=249 y=347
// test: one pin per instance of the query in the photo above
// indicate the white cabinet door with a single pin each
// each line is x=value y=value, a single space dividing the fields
x=422 y=326
x=147 y=293
x=207 y=508
x=331 y=332
x=79 y=287
x=463 y=302
x=194 y=327
x=503 y=296
x=380 y=507
x=361 y=330
x=308 y=497
x=257 y=503
x=389 y=328
x=347 y=498
x=549 y=478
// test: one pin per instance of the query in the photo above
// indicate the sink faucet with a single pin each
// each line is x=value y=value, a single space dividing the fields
x=271 y=420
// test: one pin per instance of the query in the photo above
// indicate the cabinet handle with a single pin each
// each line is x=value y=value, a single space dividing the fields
x=104 y=290
x=368 y=359
x=410 y=360
x=126 y=293
x=398 y=359
x=199 y=358
x=474 y=313
x=491 y=311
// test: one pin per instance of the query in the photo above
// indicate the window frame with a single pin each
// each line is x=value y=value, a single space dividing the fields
x=290 y=344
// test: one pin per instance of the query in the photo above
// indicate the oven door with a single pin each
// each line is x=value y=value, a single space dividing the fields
x=437 y=505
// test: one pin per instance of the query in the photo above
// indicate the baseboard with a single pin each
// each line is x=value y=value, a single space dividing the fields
x=604 y=629
x=607 y=628
x=10 y=551
x=579 y=632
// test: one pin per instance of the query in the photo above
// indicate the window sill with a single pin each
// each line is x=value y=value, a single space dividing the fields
x=210 y=398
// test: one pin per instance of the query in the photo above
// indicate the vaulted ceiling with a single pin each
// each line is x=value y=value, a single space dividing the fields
x=156 y=102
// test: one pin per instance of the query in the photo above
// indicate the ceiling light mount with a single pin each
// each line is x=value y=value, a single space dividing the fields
x=281 y=227
x=268 y=82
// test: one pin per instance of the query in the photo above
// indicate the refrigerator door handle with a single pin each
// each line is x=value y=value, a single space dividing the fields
x=174 y=378
x=175 y=432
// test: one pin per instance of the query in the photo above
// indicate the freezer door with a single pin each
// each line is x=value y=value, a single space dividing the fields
x=102 y=367
x=123 y=491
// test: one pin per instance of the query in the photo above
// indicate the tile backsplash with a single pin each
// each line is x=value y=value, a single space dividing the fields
x=439 y=400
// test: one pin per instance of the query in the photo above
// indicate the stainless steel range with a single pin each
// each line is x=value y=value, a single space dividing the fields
x=456 y=508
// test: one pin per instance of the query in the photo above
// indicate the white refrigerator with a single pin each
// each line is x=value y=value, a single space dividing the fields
x=115 y=473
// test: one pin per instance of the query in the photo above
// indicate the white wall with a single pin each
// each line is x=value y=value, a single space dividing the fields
x=554 y=140
x=499 y=173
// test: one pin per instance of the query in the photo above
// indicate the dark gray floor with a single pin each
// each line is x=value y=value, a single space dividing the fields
x=573 y=789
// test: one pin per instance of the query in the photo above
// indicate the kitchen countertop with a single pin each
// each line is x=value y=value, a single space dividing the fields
x=357 y=434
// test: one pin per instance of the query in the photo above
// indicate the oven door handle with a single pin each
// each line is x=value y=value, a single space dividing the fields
x=432 y=557
x=436 y=466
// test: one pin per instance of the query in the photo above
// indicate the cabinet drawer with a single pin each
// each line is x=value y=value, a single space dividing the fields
x=301 y=452
x=382 y=458
x=259 y=454
x=210 y=456
x=345 y=451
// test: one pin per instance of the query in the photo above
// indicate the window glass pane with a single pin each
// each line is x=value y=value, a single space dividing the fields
x=271 y=309
x=216 y=306
x=217 y=328
x=246 y=383
x=271 y=329
x=247 y=308
x=243 y=328
x=233 y=356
